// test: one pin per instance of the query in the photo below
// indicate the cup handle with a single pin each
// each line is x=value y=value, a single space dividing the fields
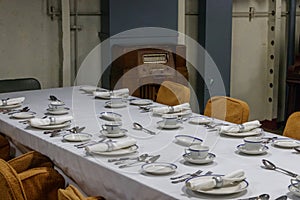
x=294 y=182
x=104 y=127
x=187 y=151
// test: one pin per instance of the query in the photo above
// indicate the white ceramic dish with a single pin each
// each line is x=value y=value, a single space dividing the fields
x=77 y=137
x=187 y=140
x=118 y=152
x=23 y=115
x=208 y=159
x=111 y=116
x=294 y=190
x=179 y=114
x=11 y=106
x=116 y=105
x=230 y=189
x=54 y=126
x=200 y=120
x=114 y=135
x=57 y=103
x=141 y=102
x=262 y=150
x=159 y=168
x=286 y=143
x=247 y=133
x=59 y=111
x=161 y=124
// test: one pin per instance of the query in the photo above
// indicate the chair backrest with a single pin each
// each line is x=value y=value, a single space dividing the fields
x=10 y=184
x=292 y=127
x=4 y=148
x=227 y=109
x=21 y=84
x=171 y=93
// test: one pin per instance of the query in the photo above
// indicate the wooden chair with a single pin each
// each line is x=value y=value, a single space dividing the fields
x=72 y=193
x=31 y=184
x=4 y=148
x=227 y=109
x=171 y=93
x=292 y=127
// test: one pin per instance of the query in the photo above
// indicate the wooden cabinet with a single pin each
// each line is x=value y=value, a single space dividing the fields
x=143 y=68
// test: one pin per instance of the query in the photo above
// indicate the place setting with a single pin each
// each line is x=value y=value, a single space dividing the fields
x=214 y=184
x=57 y=107
x=113 y=129
x=23 y=113
x=10 y=103
x=198 y=154
x=116 y=102
x=252 y=146
x=90 y=89
x=141 y=102
x=123 y=93
x=50 y=122
x=116 y=147
x=251 y=128
x=169 y=121
x=178 y=110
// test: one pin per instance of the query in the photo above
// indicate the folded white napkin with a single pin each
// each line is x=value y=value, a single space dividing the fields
x=167 y=109
x=210 y=183
x=13 y=101
x=239 y=128
x=120 y=92
x=111 y=146
x=49 y=120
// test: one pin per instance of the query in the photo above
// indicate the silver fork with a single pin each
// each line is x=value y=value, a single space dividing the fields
x=187 y=177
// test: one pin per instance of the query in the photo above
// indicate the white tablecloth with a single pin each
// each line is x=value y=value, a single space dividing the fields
x=98 y=177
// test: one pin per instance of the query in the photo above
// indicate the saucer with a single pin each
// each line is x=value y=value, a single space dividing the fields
x=114 y=135
x=59 y=111
x=111 y=116
x=77 y=137
x=286 y=143
x=159 y=168
x=23 y=115
x=200 y=120
x=161 y=124
x=262 y=150
x=116 y=105
x=187 y=140
x=209 y=158
x=11 y=106
x=141 y=102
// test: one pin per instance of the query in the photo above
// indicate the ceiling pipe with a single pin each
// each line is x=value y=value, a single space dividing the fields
x=291 y=33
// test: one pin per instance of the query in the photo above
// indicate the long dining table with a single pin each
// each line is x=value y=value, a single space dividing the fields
x=96 y=176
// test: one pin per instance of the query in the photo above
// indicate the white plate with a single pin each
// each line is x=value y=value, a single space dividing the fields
x=200 y=120
x=119 y=105
x=111 y=116
x=59 y=111
x=187 y=140
x=262 y=150
x=159 y=168
x=256 y=131
x=55 y=126
x=114 y=135
x=141 y=102
x=230 y=189
x=294 y=190
x=286 y=143
x=23 y=115
x=179 y=114
x=209 y=158
x=77 y=137
x=162 y=124
x=119 y=152
x=11 y=106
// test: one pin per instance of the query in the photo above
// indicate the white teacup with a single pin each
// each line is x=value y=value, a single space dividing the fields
x=170 y=120
x=116 y=100
x=198 y=151
x=56 y=107
x=253 y=143
x=112 y=127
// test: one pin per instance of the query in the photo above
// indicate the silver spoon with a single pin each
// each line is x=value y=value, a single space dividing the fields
x=260 y=197
x=141 y=158
x=271 y=166
x=140 y=127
